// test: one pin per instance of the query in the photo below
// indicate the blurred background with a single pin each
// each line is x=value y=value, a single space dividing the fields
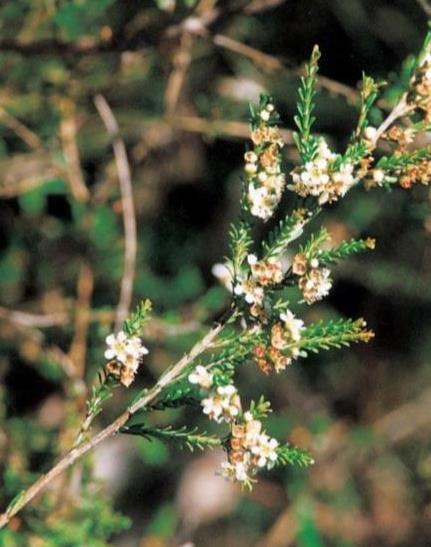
x=178 y=75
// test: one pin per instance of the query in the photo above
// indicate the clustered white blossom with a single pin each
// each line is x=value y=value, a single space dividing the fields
x=263 y=273
x=202 y=377
x=314 y=281
x=422 y=86
x=321 y=179
x=263 y=167
x=124 y=354
x=284 y=346
x=250 y=449
x=223 y=404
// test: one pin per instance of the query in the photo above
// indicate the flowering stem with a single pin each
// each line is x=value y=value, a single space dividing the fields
x=99 y=395
x=170 y=376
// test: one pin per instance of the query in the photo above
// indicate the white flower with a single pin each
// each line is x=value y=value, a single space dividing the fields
x=252 y=259
x=370 y=133
x=378 y=176
x=294 y=325
x=212 y=406
x=222 y=405
x=265 y=114
x=265 y=450
x=253 y=429
x=135 y=348
x=122 y=348
x=201 y=377
x=223 y=272
x=124 y=354
x=262 y=176
x=250 y=157
x=116 y=346
x=235 y=471
x=250 y=168
x=315 y=285
x=251 y=292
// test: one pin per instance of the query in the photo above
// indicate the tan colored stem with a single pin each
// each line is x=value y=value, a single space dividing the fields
x=71 y=457
x=129 y=217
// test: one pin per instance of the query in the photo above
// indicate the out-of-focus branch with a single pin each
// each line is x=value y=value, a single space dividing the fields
x=34 y=320
x=22 y=131
x=424 y=4
x=129 y=219
x=74 y=172
x=215 y=128
x=78 y=347
x=181 y=63
x=155 y=328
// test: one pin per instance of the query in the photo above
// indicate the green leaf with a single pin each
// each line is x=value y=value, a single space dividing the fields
x=306 y=143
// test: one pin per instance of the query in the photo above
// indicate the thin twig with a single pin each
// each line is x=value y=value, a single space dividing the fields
x=71 y=457
x=68 y=133
x=181 y=62
x=240 y=130
x=34 y=320
x=129 y=218
x=270 y=62
x=400 y=109
x=425 y=6
x=22 y=131
x=155 y=329
x=78 y=347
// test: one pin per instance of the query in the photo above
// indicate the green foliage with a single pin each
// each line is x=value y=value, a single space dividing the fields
x=240 y=245
x=306 y=143
x=91 y=521
x=334 y=334
x=344 y=250
x=398 y=161
x=369 y=93
x=183 y=437
x=176 y=396
x=354 y=153
x=254 y=117
x=134 y=324
x=260 y=409
x=424 y=51
x=312 y=248
x=292 y=455
x=76 y=18
x=287 y=230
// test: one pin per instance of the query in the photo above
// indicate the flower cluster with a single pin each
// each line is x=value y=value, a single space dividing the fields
x=284 y=344
x=323 y=177
x=264 y=273
x=223 y=403
x=124 y=354
x=263 y=165
x=250 y=449
x=420 y=172
x=422 y=87
x=314 y=281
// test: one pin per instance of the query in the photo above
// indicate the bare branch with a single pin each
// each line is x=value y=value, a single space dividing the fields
x=129 y=218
